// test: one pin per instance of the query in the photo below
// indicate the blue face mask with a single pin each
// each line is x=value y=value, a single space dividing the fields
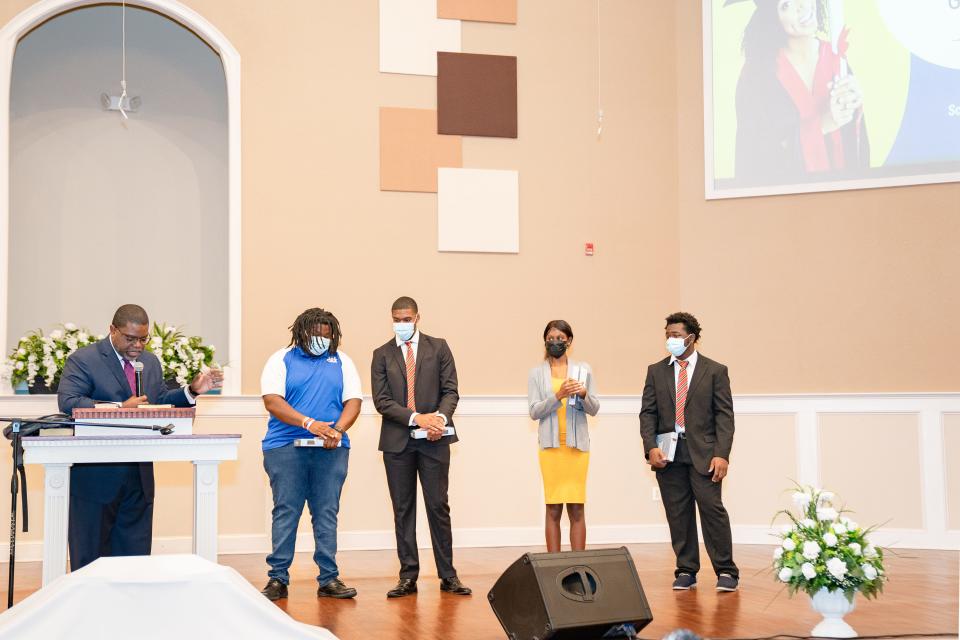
x=404 y=330
x=676 y=346
x=319 y=345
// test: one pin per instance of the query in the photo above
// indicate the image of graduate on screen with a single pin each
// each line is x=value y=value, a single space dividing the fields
x=810 y=95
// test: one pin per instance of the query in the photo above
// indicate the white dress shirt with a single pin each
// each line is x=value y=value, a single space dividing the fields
x=692 y=364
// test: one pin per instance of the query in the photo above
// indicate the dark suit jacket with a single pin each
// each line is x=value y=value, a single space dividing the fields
x=436 y=389
x=708 y=414
x=94 y=374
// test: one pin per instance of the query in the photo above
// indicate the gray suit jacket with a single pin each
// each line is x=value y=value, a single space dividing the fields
x=708 y=415
x=436 y=390
x=544 y=407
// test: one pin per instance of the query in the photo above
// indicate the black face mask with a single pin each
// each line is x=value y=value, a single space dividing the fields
x=556 y=349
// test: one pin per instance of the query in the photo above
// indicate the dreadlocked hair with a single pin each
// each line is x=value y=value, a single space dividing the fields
x=306 y=325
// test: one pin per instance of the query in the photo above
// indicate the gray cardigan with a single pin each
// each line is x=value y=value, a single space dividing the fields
x=544 y=405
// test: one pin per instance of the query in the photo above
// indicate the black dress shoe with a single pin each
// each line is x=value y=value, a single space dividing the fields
x=336 y=589
x=275 y=590
x=405 y=587
x=454 y=586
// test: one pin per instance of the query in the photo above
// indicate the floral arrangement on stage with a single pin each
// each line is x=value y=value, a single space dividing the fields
x=822 y=549
x=181 y=357
x=40 y=358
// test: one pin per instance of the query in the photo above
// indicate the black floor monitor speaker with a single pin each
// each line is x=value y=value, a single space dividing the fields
x=575 y=595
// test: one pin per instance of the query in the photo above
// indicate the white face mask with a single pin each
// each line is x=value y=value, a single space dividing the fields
x=404 y=330
x=677 y=346
x=319 y=345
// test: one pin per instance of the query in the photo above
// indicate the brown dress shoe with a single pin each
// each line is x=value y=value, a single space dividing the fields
x=275 y=590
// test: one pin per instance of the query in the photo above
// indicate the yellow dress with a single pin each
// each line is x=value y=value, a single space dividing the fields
x=564 y=469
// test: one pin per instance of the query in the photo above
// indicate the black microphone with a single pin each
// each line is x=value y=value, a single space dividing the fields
x=138 y=374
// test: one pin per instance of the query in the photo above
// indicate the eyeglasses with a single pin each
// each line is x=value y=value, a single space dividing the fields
x=135 y=339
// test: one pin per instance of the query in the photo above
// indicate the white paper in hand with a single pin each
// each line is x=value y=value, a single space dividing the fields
x=667 y=443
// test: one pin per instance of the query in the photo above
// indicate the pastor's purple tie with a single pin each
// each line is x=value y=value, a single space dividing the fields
x=131 y=378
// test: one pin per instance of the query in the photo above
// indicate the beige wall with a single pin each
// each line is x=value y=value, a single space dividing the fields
x=828 y=292
x=809 y=278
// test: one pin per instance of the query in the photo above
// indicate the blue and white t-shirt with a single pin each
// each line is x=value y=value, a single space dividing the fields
x=316 y=386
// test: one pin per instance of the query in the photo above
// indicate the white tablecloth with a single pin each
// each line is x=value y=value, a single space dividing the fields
x=174 y=597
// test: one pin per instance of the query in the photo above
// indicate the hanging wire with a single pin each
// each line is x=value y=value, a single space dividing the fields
x=123 y=58
x=599 y=103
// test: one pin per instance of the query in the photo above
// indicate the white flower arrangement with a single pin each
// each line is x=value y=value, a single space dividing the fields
x=823 y=549
x=181 y=357
x=44 y=356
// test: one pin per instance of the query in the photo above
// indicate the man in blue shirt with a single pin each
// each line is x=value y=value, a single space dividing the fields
x=312 y=392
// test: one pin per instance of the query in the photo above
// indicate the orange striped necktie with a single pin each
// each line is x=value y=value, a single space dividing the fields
x=682 y=394
x=411 y=378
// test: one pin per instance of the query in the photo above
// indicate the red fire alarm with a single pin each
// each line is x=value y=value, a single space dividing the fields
x=588 y=249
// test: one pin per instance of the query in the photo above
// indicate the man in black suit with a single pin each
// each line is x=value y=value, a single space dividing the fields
x=111 y=505
x=414 y=382
x=689 y=394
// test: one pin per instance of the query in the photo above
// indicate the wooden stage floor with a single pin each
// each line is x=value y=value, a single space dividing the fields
x=921 y=596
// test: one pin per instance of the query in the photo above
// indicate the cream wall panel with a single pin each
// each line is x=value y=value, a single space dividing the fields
x=951 y=456
x=496 y=488
x=763 y=468
x=620 y=483
x=872 y=461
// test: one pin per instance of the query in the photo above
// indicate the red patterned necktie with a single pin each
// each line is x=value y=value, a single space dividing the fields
x=131 y=377
x=411 y=378
x=682 y=394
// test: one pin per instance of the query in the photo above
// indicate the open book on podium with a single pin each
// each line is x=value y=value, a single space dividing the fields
x=180 y=418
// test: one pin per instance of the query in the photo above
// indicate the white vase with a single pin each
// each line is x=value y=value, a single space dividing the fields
x=832 y=605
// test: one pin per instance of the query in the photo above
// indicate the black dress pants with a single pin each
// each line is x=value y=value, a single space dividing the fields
x=431 y=463
x=122 y=526
x=684 y=491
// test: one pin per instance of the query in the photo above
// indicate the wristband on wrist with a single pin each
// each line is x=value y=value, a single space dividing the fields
x=307 y=422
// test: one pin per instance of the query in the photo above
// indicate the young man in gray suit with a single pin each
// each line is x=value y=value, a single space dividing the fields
x=111 y=505
x=414 y=382
x=689 y=394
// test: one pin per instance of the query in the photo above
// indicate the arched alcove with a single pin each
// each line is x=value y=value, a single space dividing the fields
x=97 y=211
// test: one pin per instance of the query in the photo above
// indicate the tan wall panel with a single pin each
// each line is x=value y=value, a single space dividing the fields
x=872 y=462
x=763 y=467
x=951 y=459
x=483 y=10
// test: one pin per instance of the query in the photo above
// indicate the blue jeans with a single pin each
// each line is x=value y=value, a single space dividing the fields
x=305 y=474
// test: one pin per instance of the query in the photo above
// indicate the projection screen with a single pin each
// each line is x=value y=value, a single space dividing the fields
x=824 y=95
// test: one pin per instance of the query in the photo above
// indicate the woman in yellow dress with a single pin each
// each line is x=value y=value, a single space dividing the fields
x=560 y=393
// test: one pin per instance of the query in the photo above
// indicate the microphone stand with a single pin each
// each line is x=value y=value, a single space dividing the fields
x=20 y=427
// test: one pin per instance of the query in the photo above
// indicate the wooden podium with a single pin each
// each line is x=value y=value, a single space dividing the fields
x=58 y=453
x=180 y=418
